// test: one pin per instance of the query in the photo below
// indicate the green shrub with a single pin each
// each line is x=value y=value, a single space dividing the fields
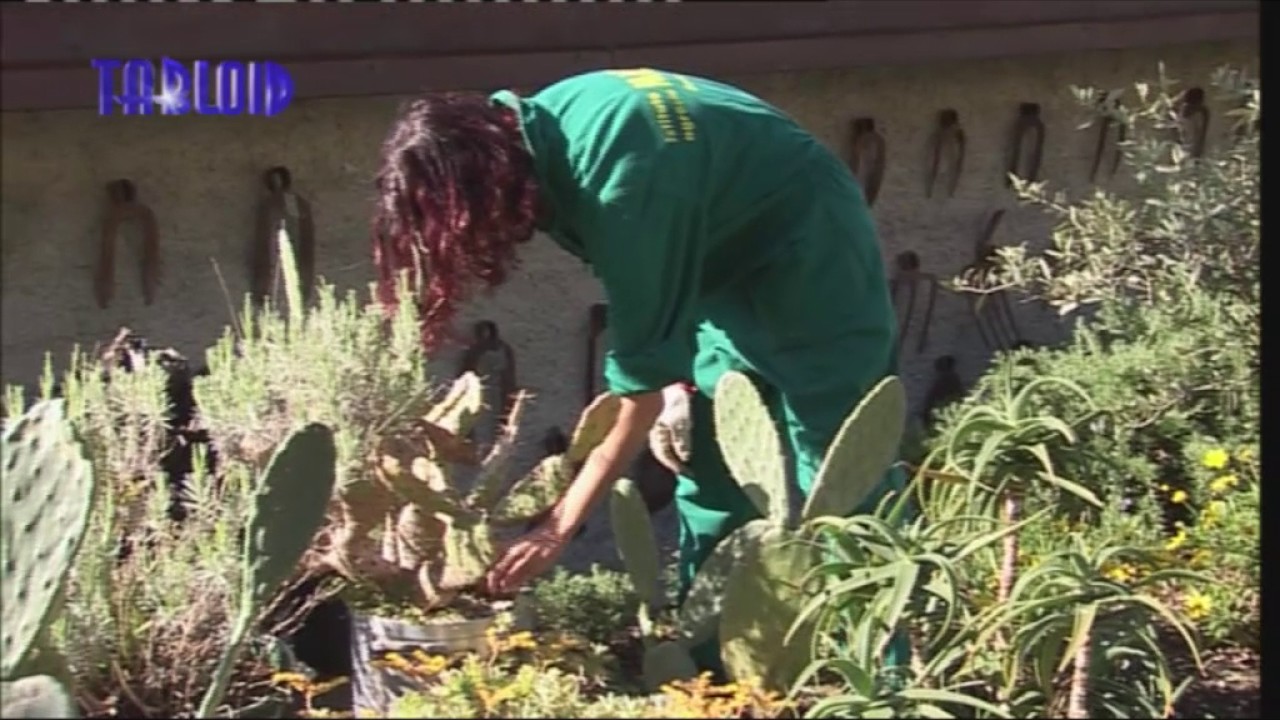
x=1162 y=282
x=596 y=605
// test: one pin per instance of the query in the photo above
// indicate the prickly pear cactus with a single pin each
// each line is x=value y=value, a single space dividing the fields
x=751 y=445
x=700 y=612
x=667 y=662
x=634 y=537
x=37 y=696
x=433 y=535
x=863 y=450
x=47 y=497
x=289 y=507
x=763 y=598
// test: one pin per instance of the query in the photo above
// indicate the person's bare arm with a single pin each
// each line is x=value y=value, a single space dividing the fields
x=605 y=464
x=534 y=553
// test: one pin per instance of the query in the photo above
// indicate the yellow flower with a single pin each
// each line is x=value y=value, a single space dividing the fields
x=1224 y=483
x=1215 y=459
x=1197 y=605
x=1122 y=573
x=1164 y=487
x=1200 y=558
x=1178 y=497
x=1177 y=541
x=1244 y=454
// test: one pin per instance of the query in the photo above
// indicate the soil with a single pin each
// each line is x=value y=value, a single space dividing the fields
x=1230 y=687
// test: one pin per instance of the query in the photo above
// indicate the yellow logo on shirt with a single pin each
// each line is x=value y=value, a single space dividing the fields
x=664 y=99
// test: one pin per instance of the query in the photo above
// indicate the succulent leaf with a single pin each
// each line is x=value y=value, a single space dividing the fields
x=863 y=450
x=751 y=445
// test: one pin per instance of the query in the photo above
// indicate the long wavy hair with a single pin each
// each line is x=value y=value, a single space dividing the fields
x=456 y=194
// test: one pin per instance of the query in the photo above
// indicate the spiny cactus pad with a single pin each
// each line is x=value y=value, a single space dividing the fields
x=468 y=553
x=492 y=479
x=863 y=450
x=289 y=505
x=763 y=598
x=700 y=613
x=751 y=446
x=535 y=492
x=37 y=696
x=593 y=425
x=47 y=497
x=666 y=662
x=633 y=535
x=460 y=407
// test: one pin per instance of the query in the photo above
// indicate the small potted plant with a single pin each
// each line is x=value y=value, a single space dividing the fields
x=412 y=543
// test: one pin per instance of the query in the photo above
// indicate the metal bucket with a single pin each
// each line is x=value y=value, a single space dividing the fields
x=374 y=689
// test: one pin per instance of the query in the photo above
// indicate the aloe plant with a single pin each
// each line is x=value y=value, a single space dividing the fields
x=751 y=589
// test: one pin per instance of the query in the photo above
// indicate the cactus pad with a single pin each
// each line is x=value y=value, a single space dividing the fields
x=594 y=424
x=468 y=553
x=535 y=492
x=751 y=446
x=459 y=409
x=633 y=535
x=863 y=450
x=47 y=496
x=700 y=613
x=288 y=507
x=492 y=479
x=763 y=598
x=667 y=662
x=37 y=696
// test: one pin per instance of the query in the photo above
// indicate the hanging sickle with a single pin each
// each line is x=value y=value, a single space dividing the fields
x=597 y=321
x=123 y=208
x=1028 y=123
x=279 y=205
x=1109 y=124
x=948 y=139
x=1195 y=118
x=867 y=157
x=995 y=321
x=908 y=279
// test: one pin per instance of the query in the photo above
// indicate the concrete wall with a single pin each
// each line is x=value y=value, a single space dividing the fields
x=200 y=176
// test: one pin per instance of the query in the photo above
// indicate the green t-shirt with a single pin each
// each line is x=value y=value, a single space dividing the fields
x=671 y=187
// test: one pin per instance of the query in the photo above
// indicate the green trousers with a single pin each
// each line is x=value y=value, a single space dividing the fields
x=815 y=329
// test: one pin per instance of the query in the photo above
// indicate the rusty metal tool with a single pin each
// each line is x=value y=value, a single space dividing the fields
x=1112 y=131
x=123 y=207
x=994 y=319
x=1030 y=123
x=907 y=280
x=867 y=157
x=1195 y=118
x=948 y=139
x=282 y=207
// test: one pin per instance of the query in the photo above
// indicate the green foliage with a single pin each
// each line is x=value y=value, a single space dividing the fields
x=752 y=586
x=1162 y=281
x=595 y=605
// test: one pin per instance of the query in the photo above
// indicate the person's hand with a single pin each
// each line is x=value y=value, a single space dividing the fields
x=526 y=558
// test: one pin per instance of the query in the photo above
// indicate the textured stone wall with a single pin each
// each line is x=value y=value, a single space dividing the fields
x=200 y=176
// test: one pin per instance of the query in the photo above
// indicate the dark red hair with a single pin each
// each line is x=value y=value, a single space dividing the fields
x=457 y=193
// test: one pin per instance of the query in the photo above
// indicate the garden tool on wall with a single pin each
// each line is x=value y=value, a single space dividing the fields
x=949 y=140
x=1030 y=124
x=282 y=208
x=907 y=280
x=945 y=389
x=991 y=309
x=1112 y=131
x=1195 y=121
x=597 y=320
x=123 y=207
x=867 y=157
